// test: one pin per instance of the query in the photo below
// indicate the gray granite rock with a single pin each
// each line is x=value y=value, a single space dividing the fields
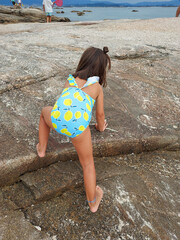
x=141 y=100
x=141 y=188
x=14 y=15
x=141 y=200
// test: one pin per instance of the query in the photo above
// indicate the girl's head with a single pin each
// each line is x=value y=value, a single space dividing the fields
x=94 y=62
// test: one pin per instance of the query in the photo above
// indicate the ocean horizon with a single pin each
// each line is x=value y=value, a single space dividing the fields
x=105 y=3
x=114 y=13
x=110 y=13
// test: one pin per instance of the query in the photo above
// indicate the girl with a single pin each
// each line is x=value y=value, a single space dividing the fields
x=48 y=8
x=72 y=112
x=19 y=2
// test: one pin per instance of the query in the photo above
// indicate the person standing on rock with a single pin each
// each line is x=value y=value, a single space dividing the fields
x=48 y=9
x=19 y=2
x=72 y=113
x=13 y=2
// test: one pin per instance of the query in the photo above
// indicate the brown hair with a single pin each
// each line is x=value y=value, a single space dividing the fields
x=94 y=62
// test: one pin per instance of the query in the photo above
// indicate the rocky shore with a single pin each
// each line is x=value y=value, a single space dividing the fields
x=16 y=15
x=137 y=158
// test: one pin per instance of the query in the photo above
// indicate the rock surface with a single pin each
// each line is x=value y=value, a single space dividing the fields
x=141 y=198
x=12 y=15
x=141 y=100
x=142 y=108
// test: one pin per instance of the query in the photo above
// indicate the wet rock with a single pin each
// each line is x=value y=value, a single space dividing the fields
x=87 y=11
x=80 y=13
x=60 y=12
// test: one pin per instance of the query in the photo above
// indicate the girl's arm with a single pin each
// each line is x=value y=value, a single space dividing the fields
x=100 y=116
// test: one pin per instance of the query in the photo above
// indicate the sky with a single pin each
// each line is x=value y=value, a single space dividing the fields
x=131 y=1
x=39 y=2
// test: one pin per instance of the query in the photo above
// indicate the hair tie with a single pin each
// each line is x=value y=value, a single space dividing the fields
x=105 y=50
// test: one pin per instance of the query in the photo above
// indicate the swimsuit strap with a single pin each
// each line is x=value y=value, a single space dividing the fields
x=90 y=81
x=72 y=81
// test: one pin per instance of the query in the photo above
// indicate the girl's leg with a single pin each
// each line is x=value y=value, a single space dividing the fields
x=44 y=129
x=49 y=18
x=83 y=145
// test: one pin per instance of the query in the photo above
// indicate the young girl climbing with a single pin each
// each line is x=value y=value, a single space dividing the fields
x=72 y=112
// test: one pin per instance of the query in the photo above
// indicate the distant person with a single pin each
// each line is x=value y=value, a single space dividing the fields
x=48 y=9
x=13 y=2
x=178 y=12
x=71 y=115
x=19 y=2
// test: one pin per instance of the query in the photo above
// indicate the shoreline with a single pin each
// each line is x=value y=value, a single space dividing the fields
x=92 y=22
x=84 y=14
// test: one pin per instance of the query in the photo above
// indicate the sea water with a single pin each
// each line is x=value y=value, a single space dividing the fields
x=102 y=13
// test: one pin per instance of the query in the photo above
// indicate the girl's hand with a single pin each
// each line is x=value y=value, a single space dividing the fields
x=105 y=126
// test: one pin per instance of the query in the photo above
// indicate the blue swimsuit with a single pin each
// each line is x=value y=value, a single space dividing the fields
x=72 y=112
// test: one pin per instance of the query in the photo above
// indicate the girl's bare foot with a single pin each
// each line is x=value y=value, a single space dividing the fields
x=99 y=196
x=39 y=151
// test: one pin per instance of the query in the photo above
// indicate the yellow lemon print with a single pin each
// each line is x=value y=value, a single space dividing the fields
x=65 y=90
x=93 y=101
x=88 y=107
x=68 y=133
x=71 y=84
x=64 y=130
x=76 y=94
x=67 y=102
x=56 y=114
x=68 y=115
x=55 y=106
x=66 y=94
x=81 y=128
x=88 y=99
x=54 y=125
x=77 y=114
x=80 y=98
x=86 y=116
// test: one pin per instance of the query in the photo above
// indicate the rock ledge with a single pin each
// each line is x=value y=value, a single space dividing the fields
x=11 y=15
